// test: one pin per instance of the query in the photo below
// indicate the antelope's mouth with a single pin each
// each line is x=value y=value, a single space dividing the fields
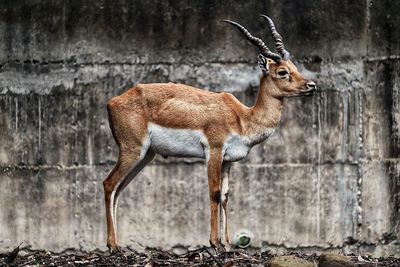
x=308 y=92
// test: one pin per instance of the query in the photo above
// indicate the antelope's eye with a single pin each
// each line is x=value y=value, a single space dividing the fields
x=282 y=72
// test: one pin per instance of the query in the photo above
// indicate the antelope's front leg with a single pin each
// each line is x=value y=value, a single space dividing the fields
x=214 y=167
x=223 y=205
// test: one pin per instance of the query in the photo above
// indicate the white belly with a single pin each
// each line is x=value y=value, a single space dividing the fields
x=193 y=143
x=177 y=142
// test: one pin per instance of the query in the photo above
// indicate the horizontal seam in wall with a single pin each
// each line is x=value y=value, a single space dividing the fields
x=383 y=58
x=255 y=165
x=201 y=63
x=108 y=63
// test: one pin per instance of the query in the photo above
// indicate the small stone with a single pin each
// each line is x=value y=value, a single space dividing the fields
x=179 y=250
x=290 y=261
x=335 y=260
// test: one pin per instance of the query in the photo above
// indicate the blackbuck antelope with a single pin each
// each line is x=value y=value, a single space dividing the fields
x=179 y=120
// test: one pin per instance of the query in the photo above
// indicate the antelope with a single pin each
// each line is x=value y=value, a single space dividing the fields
x=183 y=121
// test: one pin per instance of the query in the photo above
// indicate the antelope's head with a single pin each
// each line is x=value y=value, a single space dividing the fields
x=283 y=78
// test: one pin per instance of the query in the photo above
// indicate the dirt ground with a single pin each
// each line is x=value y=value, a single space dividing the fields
x=152 y=257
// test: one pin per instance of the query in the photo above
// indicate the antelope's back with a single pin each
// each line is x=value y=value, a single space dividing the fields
x=182 y=106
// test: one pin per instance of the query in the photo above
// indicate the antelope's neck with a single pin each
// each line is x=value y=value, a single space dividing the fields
x=265 y=114
x=258 y=124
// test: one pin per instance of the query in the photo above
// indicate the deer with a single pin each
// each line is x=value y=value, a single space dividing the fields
x=183 y=121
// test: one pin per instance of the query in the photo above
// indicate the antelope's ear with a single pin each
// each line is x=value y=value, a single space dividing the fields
x=263 y=64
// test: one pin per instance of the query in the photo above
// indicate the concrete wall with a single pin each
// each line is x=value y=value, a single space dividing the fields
x=328 y=178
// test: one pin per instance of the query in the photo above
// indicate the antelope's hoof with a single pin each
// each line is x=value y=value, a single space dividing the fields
x=227 y=247
x=114 y=249
x=218 y=247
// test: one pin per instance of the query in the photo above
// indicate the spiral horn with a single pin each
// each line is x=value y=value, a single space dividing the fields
x=278 y=39
x=256 y=41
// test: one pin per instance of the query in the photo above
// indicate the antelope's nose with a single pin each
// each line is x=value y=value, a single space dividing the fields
x=311 y=85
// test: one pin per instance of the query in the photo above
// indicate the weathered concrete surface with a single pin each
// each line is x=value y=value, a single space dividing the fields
x=328 y=178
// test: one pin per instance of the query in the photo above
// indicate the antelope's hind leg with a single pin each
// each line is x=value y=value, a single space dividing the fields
x=111 y=184
x=130 y=133
x=128 y=166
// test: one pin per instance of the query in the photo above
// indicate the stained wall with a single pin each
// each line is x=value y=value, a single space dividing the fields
x=329 y=177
